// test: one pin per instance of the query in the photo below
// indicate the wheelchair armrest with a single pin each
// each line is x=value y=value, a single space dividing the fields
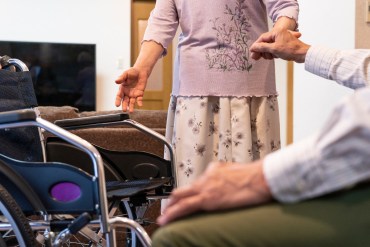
x=112 y=120
x=115 y=120
x=91 y=122
x=17 y=116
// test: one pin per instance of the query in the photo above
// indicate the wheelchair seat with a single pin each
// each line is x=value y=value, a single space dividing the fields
x=127 y=173
x=123 y=189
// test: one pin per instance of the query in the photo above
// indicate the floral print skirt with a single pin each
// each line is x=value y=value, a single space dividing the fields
x=230 y=129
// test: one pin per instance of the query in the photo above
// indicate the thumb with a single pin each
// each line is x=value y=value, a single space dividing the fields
x=122 y=78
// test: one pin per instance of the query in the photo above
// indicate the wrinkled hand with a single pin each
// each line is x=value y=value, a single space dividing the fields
x=132 y=85
x=222 y=186
x=285 y=45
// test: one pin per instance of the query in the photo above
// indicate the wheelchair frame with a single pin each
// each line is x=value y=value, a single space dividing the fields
x=23 y=118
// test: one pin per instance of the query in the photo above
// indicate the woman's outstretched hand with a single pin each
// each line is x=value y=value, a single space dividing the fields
x=132 y=85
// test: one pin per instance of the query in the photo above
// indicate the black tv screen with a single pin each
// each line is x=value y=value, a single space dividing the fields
x=62 y=73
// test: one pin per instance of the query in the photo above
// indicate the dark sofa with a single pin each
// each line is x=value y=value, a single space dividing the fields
x=120 y=138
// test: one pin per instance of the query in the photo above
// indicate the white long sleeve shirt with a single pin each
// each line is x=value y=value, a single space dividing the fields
x=338 y=156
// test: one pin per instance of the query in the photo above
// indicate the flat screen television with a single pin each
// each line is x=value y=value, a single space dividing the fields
x=62 y=73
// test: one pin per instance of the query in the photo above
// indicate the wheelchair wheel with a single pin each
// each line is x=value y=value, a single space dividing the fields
x=14 y=227
x=144 y=213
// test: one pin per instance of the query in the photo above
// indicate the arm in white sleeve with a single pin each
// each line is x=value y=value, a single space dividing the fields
x=339 y=155
x=350 y=68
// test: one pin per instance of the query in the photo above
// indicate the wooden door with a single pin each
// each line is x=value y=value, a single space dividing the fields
x=157 y=93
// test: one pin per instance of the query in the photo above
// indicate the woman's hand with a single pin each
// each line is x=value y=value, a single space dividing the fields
x=133 y=81
x=131 y=90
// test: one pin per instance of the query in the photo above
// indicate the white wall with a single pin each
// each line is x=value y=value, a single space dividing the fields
x=105 y=23
x=330 y=23
x=281 y=86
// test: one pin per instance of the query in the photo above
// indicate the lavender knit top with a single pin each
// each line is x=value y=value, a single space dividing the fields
x=212 y=57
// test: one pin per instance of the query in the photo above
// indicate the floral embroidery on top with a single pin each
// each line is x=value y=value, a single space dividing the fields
x=232 y=52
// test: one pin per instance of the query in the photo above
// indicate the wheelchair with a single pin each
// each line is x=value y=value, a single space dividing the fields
x=70 y=187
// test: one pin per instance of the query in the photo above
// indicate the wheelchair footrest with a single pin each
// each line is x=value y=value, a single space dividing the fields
x=123 y=189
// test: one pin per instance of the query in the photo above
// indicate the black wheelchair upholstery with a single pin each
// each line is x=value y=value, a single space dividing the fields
x=128 y=165
x=39 y=179
x=16 y=92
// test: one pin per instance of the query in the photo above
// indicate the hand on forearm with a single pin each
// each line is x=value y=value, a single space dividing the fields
x=285 y=45
x=283 y=24
x=222 y=186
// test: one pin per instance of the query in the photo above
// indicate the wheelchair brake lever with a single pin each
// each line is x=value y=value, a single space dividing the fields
x=76 y=225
